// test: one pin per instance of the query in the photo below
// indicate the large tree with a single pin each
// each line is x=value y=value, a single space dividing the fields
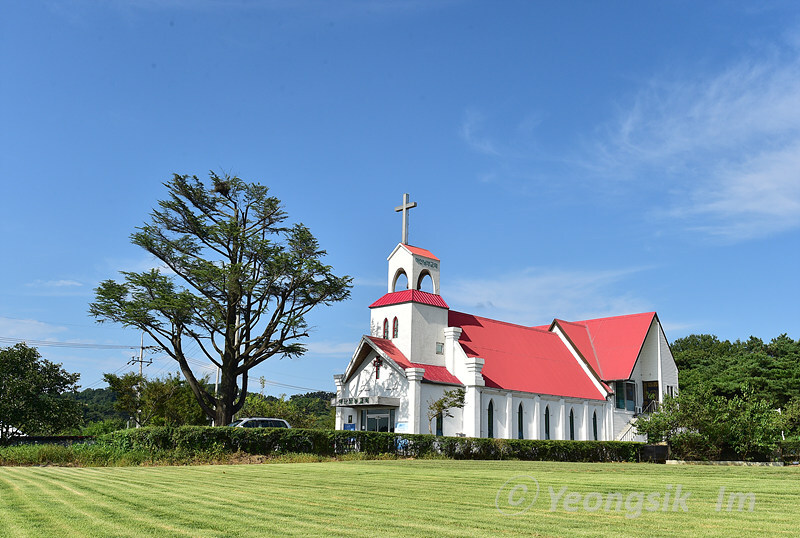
x=237 y=280
x=32 y=394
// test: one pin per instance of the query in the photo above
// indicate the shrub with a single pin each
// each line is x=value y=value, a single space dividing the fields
x=272 y=441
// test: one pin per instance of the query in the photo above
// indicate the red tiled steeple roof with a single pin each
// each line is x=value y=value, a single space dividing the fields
x=420 y=252
x=410 y=296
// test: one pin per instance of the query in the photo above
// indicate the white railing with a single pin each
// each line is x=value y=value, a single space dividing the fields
x=628 y=433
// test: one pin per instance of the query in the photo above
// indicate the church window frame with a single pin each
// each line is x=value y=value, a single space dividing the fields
x=385 y=328
x=571 y=424
x=490 y=420
x=619 y=394
x=547 y=422
x=594 y=424
x=440 y=424
x=520 y=422
x=395 y=327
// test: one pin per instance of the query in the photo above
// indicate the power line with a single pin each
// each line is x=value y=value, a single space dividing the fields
x=52 y=343
x=295 y=387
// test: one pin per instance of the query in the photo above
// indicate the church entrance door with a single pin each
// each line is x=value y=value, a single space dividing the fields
x=378 y=420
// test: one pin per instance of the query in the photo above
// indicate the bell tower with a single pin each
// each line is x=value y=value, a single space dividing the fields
x=413 y=262
x=416 y=264
x=412 y=314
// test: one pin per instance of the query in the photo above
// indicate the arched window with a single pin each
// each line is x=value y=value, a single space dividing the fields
x=395 y=327
x=571 y=425
x=520 y=430
x=594 y=424
x=547 y=422
x=385 y=328
x=440 y=424
x=490 y=417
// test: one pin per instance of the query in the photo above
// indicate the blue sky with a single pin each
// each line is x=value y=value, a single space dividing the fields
x=569 y=160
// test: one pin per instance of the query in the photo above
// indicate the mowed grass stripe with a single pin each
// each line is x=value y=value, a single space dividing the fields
x=234 y=498
x=207 y=513
x=160 y=500
x=13 y=506
x=95 y=515
x=38 y=505
x=423 y=497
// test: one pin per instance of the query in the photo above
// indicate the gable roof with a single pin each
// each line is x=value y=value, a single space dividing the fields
x=610 y=345
x=410 y=296
x=420 y=252
x=433 y=374
x=523 y=358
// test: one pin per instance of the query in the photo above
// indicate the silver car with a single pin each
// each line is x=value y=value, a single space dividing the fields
x=259 y=422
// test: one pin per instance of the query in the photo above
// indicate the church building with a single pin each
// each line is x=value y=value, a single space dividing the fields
x=581 y=380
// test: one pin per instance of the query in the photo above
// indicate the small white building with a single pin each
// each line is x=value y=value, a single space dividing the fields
x=583 y=380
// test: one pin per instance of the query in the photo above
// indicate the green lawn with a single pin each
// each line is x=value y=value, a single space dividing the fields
x=369 y=498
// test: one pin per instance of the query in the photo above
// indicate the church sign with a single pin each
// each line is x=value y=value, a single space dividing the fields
x=367 y=400
x=426 y=263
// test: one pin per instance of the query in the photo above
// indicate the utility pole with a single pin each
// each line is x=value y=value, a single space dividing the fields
x=141 y=362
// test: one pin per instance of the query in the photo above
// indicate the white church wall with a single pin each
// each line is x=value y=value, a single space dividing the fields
x=648 y=358
x=669 y=370
x=500 y=416
x=403 y=314
x=530 y=424
x=456 y=362
x=428 y=324
x=451 y=425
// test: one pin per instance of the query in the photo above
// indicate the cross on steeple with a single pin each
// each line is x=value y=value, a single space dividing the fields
x=404 y=208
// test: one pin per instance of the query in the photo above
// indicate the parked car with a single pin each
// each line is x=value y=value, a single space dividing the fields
x=259 y=422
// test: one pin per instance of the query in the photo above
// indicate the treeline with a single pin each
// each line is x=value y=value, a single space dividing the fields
x=169 y=401
x=737 y=400
x=771 y=370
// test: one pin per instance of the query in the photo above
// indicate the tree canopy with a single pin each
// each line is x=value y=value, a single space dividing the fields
x=770 y=370
x=156 y=402
x=236 y=280
x=32 y=394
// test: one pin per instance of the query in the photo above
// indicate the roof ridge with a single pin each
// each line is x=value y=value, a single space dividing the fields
x=594 y=352
x=502 y=322
x=579 y=323
x=614 y=317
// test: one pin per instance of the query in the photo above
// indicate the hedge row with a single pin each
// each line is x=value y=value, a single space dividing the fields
x=268 y=441
x=790 y=449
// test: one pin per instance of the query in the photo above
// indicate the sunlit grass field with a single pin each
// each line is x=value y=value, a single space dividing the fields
x=397 y=497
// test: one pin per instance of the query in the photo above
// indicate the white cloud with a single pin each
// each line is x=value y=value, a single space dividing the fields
x=54 y=284
x=29 y=329
x=331 y=348
x=724 y=147
x=470 y=133
x=536 y=296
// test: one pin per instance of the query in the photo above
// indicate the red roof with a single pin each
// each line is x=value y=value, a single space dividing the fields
x=420 y=252
x=410 y=296
x=434 y=374
x=610 y=345
x=523 y=358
